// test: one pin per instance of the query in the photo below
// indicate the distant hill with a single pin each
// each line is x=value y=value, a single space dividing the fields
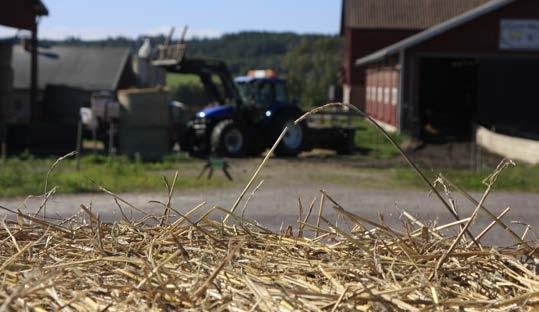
x=311 y=61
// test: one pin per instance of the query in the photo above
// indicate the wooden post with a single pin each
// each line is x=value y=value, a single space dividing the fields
x=79 y=143
x=4 y=143
x=94 y=138
x=473 y=157
x=480 y=158
x=33 y=75
x=111 y=140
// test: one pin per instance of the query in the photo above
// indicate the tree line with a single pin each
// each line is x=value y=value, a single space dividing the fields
x=311 y=62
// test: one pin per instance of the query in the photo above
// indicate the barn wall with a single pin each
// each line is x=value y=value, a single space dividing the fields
x=481 y=36
x=359 y=43
x=382 y=92
x=506 y=98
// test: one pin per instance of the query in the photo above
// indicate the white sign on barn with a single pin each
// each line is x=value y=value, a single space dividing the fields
x=519 y=34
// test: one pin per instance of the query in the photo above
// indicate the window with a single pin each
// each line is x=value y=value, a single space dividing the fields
x=265 y=93
x=394 y=96
x=281 y=94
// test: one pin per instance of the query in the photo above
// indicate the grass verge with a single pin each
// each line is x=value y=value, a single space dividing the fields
x=521 y=178
x=374 y=144
x=20 y=177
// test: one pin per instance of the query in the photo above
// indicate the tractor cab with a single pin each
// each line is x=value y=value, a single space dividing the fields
x=264 y=92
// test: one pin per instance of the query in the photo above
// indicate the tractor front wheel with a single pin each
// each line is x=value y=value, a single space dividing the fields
x=228 y=139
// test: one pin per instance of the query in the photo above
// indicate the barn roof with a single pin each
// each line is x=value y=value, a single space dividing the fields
x=434 y=31
x=88 y=68
x=402 y=14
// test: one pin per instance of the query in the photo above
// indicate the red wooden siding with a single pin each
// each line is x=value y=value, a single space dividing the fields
x=382 y=92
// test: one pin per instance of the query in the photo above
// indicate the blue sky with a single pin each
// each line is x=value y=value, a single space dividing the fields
x=95 y=19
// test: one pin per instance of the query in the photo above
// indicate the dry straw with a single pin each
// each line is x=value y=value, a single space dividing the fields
x=188 y=260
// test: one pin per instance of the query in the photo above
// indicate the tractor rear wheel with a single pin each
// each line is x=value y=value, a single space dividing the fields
x=292 y=143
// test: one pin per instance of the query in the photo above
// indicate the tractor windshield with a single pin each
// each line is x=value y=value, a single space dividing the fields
x=263 y=93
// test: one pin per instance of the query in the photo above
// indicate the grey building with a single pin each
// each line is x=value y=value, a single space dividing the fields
x=67 y=76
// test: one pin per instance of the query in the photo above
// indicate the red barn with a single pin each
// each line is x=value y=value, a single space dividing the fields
x=471 y=76
x=370 y=25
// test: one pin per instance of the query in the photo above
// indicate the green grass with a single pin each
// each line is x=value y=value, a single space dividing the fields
x=176 y=80
x=374 y=143
x=521 y=178
x=22 y=177
x=26 y=176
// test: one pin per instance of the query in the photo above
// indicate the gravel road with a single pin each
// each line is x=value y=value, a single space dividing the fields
x=276 y=202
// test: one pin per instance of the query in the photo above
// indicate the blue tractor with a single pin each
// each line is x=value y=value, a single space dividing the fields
x=245 y=115
x=253 y=121
x=250 y=123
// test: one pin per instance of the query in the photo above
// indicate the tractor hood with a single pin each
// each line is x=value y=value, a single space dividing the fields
x=221 y=111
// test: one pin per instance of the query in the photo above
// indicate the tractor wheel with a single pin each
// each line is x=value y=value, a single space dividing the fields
x=292 y=143
x=228 y=139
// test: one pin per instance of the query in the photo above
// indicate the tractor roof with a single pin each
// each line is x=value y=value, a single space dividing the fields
x=251 y=79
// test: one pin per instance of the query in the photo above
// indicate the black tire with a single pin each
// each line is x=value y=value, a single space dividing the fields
x=289 y=147
x=228 y=139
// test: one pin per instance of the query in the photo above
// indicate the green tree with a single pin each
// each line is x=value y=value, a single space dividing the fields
x=311 y=67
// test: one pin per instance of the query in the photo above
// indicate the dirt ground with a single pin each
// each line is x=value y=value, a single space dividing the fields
x=275 y=204
x=454 y=155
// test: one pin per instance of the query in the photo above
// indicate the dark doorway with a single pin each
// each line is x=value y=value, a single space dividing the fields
x=508 y=99
x=447 y=98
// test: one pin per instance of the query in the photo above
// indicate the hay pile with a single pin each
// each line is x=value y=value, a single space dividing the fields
x=81 y=264
x=192 y=261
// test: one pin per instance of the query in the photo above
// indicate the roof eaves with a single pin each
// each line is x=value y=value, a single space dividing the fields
x=433 y=31
x=40 y=9
x=341 y=31
x=121 y=69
